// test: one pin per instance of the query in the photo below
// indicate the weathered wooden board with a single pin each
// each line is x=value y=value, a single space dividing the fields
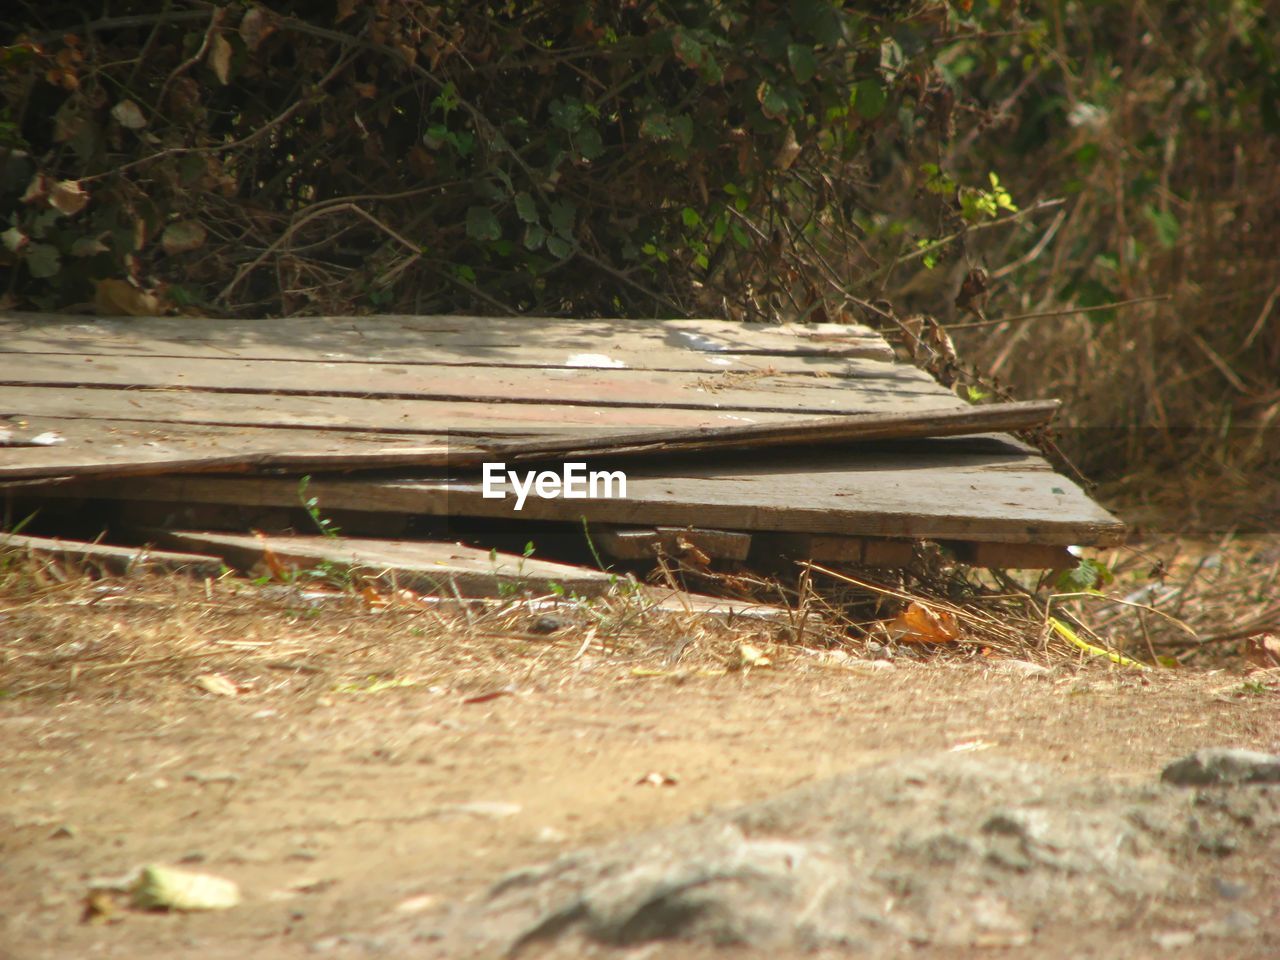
x=489 y=341
x=105 y=558
x=817 y=431
x=140 y=447
x=121 y=448
x=461 y=418
x=980 y=490
x=144 y=396
x=424 y=566
x=876 y=384
x=449 y=570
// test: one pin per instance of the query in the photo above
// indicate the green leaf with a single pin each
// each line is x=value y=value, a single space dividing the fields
x=869 y=99
x=682 y=127
x=687 y=50
x=567 y=114
x=558 y=247
x=534 y=236
x=482 y=224
x=43 y=260
x=690 y=217
x=526 y=209
x=803 y=63
x=772 y=104
x=656 y=126
x=820 y=19
x=1088 y=575
x=590 y=143
x=561 y=216
x=1166 y=225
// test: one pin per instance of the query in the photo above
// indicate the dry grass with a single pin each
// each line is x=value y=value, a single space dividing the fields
x=65 y=631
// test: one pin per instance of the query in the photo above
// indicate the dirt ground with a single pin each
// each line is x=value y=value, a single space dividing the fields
x=360 y=767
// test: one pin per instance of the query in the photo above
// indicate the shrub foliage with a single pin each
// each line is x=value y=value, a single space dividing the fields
x=755 y=159
x=589 y=157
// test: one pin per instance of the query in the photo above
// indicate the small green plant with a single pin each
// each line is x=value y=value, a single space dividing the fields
x=1253 y=688
x=978 y=204
x=312 y=505
x=586 y=532
x=1088 y=575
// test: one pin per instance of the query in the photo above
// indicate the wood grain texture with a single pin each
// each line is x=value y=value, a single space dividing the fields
x=106 y=558
x=424 y=566
x=521 y=341
x=862 y=386
x=947 y=490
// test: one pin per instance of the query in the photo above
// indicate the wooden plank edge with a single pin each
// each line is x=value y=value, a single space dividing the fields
x=431 y=577
x=818 y=430
x=112 y=559
x=990 y=418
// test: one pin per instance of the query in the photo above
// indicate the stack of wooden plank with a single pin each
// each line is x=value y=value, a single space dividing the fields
x=735 y=441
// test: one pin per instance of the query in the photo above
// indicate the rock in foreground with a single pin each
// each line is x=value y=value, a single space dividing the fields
x=949 y=851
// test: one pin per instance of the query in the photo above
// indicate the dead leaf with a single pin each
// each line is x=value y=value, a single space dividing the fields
x=88 y=247
x=129 y=115
x=119 y=298
x=183 y=236
x=656 y=779
x=416 y=904
x=373 y=598
x=166 y=888
x=749 y=655
x=68 y=197
x=100 y=906
x=788 y=152
x=217 y=684
x=1263 y=650
x=278 y=569
x=973 y=293
x=37 y=189
x=489 y=695
x=219 y=59
x=690 y=553
x=919 y=624
x=13 y=239
x=256 y=27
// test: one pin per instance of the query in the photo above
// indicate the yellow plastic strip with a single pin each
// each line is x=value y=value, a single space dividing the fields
x=1070 y=636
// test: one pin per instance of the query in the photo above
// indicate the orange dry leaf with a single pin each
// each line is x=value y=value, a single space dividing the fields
x=373 y=598
x=278 y=569
x=919 y=624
